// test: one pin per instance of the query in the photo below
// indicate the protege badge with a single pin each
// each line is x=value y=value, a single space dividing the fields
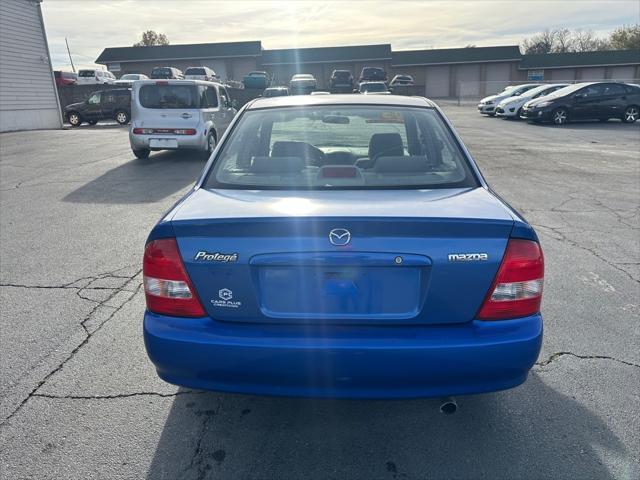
x=468 y=257
x=216 y=257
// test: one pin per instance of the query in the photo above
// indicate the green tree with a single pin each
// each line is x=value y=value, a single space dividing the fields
x=626 y=37
x=151 y=38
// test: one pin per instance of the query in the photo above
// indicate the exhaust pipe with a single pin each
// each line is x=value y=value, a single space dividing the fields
x=448 y=405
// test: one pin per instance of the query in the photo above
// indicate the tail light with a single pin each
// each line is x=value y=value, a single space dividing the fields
x=167 y=286
x=517 y=288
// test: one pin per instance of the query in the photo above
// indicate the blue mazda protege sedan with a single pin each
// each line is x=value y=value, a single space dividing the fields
x=343 y=246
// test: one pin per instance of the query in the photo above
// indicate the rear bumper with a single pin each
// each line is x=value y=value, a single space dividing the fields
x=194 y=142
x=343 y=362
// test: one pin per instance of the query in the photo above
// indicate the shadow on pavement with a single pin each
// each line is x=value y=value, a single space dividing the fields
x=530 y=432
x=142 y=181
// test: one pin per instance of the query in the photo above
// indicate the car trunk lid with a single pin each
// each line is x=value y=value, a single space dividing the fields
x=270 y=257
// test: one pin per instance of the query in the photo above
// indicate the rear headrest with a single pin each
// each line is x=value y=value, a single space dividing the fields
x=277 y=165
x=292 y=149
x=401 y=165
x=385 y=144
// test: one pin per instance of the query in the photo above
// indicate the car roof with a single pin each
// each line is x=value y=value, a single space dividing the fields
x=176 y=81
x=343 y=99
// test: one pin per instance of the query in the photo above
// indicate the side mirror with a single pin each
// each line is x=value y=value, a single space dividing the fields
x=579 y=95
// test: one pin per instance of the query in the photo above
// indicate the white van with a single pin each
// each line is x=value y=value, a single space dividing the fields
x=176 y=114
x=200 y=73
x=95 y=76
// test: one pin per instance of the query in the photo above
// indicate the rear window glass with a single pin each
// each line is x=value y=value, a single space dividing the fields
x=169 y=96
x=87 y=73
x=195 y=71
x=341 y=147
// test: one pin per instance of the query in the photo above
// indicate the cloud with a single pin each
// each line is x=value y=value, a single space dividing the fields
x=92 y=26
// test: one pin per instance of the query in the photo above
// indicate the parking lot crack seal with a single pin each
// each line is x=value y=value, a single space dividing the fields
x=88 y=333
x=564 y=238
x=197 y=460
x=119 y=395
x=552 y=358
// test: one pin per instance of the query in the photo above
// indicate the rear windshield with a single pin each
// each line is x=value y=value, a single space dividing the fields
x=341 y=147
x=341 y=74
x=87 y=73
x=169 y=96
x=195 y=71
x=373 y=87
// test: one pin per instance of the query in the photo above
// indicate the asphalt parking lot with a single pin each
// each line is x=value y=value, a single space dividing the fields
x=80 y=400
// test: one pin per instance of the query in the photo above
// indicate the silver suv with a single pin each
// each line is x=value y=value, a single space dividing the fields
x=176 y=114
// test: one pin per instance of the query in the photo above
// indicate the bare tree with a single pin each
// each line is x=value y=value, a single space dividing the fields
x=586 y=41
x=540 y=43
x=626 y=37
x=151 y=38
x=562 y=41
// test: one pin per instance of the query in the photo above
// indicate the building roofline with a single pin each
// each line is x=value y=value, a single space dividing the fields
x=502 y=60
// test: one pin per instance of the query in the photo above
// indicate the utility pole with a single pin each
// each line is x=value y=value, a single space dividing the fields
x=69 y=52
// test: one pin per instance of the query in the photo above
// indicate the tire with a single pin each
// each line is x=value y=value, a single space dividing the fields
x=211 y=144
x=519 y=113
x=122 y=117
x=142 y=153
x=560 y=116
x=74 y=119
x=92 y=122
x=630 y=114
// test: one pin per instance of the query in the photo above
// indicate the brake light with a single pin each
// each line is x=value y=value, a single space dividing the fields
x=167 y=286
x=143 y=131
x=517 y=288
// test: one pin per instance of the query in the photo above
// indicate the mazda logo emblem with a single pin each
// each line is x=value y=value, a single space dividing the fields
x=339 y=236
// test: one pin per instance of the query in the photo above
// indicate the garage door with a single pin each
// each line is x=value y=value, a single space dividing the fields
x=437 y=81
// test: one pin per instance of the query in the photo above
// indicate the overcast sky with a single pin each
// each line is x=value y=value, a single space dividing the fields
x=92 y=25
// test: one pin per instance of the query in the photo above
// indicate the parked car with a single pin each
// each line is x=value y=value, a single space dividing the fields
x=586 y=101
x=114 y=104
x=511 y=107
x=127 y=79
x=487 y=105
x=166 y=73
x=65 y=78
x=275 y=92
x=372 y=74
x=369 y=260
x=402 y=81
x=200 y=73
x=256 y=79
x=341 y=81
x=95 y=76
x=177 y=114
x=377 y=88
x=302 y=83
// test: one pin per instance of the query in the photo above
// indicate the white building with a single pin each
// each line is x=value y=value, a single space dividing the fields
x=28 y=96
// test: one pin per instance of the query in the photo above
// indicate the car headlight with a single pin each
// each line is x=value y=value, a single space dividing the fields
x=542 y=104
x=489 y=102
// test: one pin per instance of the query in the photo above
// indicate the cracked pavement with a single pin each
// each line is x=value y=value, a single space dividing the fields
x=79 y=399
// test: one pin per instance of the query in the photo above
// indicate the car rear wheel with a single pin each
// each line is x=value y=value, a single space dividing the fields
x=122 y=117
x=631 y=114
x=142 y=153
x=211 y=143
x=560 y=116
x=74 y=119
